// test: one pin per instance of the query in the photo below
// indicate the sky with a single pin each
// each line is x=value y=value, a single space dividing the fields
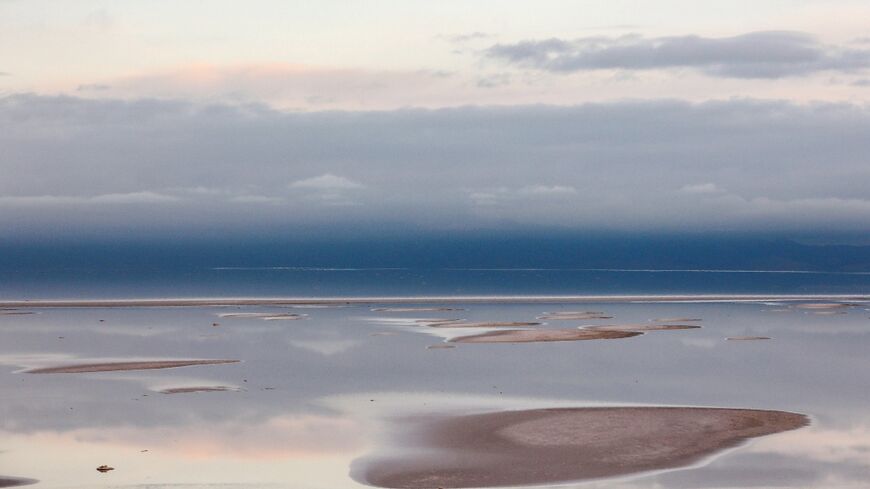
x=182 y=117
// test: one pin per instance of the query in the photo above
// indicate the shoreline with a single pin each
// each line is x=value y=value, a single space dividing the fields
x=464 y=299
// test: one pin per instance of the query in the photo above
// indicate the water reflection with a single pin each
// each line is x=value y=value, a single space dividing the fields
x=311 y=396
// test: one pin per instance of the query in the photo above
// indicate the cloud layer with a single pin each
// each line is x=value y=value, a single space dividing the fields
x=80 y=165
x=765 y=54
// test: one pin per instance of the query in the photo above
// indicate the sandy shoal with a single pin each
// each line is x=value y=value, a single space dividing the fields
x=189 y=390
x=572 y=317
x=544 y=446
x=483 y=324
x=460 y=299
x=116 y=366
x=6 y=481
x=640 y=327
x=416 y=309
x=539 y=335
x=824 y=305
x=747 y=338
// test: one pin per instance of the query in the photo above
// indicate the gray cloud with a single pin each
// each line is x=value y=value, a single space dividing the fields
x=143 y=197
x=494 y=80
x=767 y=54
x=83 y=165
x=468 y=37
x=93 y=87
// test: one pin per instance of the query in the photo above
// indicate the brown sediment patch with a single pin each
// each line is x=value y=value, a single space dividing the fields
x=825 y=305
x=828 y=313
x=6 y=481
x=440 y=347
x=747 y=338
x=540 y=335
x=188 y=390
x=415 y=309
x=574 y=313
x=545 y=446
x=484 y=324
x=436 y=320
x=573 y=316
x=116 y=366
x=13 y=312
x=640 y=327
x=267 y=316
x=675 y=320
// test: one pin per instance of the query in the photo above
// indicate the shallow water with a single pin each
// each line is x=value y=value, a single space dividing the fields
x=311 y=396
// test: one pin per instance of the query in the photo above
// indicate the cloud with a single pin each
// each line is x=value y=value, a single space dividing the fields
x=327 y=181
x=93 y=87
x=494 y=80
x=469 y=37
x=667 y=164
x=289 y=85
x=548 y=190
x=256 y=199
x=115 y=198
x=701 y=188
x=764 y=54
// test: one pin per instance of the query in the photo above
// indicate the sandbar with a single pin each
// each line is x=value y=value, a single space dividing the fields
x=6 y=481
x=116 y=366
x=573 y=316
x=416 y=309
x=268 y=316
x=546 y=446
x=747 y=338
x=483 y=324
x=640 y=327
x=541 y=335
x=675 y=320
x=824 y=305
x=188 y=390
x=459 y=299
x=440 y=347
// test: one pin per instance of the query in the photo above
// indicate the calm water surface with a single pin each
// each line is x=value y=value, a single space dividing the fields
x=310 y=396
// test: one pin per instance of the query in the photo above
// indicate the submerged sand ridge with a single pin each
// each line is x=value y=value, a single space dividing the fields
x=6 y=481
x=545 y=446
x=121 y=366
x=482 y=324
x=192 y=390
x=539 y=335
x=640 y=327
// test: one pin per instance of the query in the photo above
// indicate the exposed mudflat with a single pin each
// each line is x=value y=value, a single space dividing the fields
x=544 y=446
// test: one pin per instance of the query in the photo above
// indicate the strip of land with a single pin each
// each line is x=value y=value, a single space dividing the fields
x=482 y=324
x=120 y=366
x=15 y=481
x=640 y=327
x=542 y=335
x=501 y=299
x=189 y=390
x=547 y=446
